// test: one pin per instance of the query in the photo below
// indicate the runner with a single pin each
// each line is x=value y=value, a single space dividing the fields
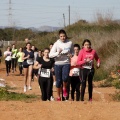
x=14 y=58
x=20 y=60
x=34 y=72
x=86 y=61
x=53 y=74
x=62 y=50
x=45 y=65
x=74 y=79
x=7 y=55
x=28 y=57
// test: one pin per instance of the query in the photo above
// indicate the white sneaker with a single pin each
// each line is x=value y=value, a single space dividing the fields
x=29 y=88
x=54 y=83
x=25 y=88
x=52 y=98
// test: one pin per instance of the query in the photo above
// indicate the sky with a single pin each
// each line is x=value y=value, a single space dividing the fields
x=36 y=13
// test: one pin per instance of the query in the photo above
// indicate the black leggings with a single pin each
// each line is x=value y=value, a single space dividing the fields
x=20 y=67
x=74 y=82
x=8 y=66
x=46 y=85
x=14 y=63
x=84 y=74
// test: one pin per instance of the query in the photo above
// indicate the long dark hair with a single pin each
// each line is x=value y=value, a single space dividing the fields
x=63 y=32
x=86 y=40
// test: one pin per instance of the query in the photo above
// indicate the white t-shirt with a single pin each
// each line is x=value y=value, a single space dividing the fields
x=8 y=55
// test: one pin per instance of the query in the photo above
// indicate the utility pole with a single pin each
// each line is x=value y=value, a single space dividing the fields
x=64 y=19
x=10 y=14
x=69 y=14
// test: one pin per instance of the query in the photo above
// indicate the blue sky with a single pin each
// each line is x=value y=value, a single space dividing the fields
x=36 y=13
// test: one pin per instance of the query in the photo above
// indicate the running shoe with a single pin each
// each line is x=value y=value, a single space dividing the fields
x=25 y=88
x=65 y=93
x=52 y=98
x=58 y=99
x=29 y=88
x=90 y=99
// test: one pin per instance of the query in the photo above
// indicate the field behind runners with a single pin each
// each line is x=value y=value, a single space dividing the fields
x=102 y=107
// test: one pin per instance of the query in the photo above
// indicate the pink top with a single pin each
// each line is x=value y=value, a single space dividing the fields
x=84 y=54
x=73 y=65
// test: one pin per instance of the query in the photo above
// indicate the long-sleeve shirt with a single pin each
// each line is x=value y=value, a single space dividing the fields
x=63 y=58
x=85 y=54
x=74 y=69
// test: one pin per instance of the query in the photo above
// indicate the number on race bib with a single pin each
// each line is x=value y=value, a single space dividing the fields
x=45 y=73
x=30 y=61
x=76 y=71
x=88 y=65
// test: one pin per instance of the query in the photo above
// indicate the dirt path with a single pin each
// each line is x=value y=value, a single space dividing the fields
x=102 y=107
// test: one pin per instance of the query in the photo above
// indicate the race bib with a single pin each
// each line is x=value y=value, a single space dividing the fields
x=76 y=71
x=88 y=65
x=30 y=61
x=45 y=73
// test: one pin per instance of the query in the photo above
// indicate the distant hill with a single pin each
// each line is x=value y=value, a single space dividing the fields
x=41 y=28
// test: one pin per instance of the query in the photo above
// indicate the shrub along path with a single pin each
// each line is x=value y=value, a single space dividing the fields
x=102 y=107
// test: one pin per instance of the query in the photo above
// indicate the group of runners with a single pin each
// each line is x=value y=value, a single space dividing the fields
x=62 y=64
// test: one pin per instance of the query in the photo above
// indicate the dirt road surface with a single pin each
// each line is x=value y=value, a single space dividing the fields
x=101 y=108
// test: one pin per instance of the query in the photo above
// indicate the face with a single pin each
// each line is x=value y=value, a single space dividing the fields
x=28 y=46
x=13 y=46
x=39 y=52
x=20 y=49
x=62 y=37
x=76 y=50
x=8 y=49
x=87 y=45
x=50 y=47
x=46 y=53
x=33 y=48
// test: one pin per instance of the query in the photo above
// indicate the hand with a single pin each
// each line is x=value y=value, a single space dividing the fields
x=70 y=55
x=28 y=56
x=87 y=60
x=60 y=50
x=39 y=65
x=98 y=65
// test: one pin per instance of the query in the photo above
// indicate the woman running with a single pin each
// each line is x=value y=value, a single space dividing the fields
x=74 y=79
x=7 y=55
x=45 y=64
x=28 y=57
x=20 y=60
x=86 y=61
x=62 y=50
x=14 y=58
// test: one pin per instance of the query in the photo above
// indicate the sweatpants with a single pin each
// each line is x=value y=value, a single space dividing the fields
x=14 y=63
x=84 y=75
x=46 y=86
x=8 y=66
x=20 y=67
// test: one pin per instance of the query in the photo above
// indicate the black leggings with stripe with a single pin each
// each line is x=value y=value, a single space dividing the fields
x=84 y=75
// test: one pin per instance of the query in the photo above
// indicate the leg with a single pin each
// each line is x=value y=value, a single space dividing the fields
x=30 y=75
x=58 y=75
x=65 y=75
x=90 y=85
x=15 y=64
x=13 y=60
x=42 y=87
x=77 y=87
x=73 y=83
x=84 y=77
x=7 y=69
x=68 y=86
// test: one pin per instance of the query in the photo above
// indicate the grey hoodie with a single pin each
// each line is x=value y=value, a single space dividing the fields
x=66 y=46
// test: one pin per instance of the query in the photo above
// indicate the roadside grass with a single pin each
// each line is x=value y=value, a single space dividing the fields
x=6 y=95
